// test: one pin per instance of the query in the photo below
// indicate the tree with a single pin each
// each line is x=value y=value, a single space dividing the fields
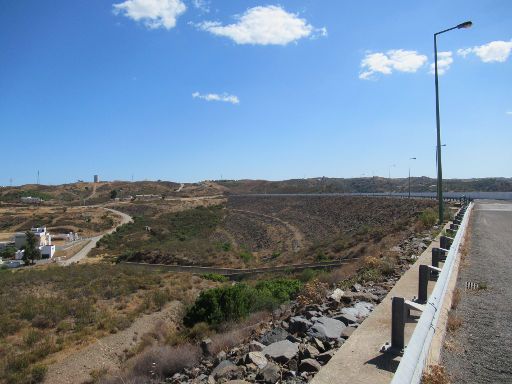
x=31 y=249
x=113 y=194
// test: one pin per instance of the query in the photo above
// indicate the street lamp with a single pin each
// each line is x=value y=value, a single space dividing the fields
x=411 y=158
x=464 y=25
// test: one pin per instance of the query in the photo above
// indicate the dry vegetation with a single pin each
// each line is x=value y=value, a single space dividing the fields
x=87 y=221
x=251 y=231
x=44 y=311
x=435 y=374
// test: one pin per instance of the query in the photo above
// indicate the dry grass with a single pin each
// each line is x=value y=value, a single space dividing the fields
x=88 y=221
x=454 y=322
x=456 y=298
x=435 y=374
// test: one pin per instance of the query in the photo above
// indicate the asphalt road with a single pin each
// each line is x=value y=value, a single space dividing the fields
x=481 y=349
x=94 y=240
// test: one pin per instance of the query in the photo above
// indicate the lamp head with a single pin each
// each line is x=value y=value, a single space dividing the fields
x=465 y=25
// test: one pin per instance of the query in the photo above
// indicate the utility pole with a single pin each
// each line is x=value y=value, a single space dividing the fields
x=464 y=25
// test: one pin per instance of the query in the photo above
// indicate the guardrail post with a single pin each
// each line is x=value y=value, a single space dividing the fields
x=397 y=327
x=454 y=227
x=398 y=324
x=445 y=242
x=423 y=284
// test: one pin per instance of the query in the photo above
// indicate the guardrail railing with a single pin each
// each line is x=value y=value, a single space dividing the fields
x=415 y=355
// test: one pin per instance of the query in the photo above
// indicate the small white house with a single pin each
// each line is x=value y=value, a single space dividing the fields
x=43 y=237
x=31 y=200
x=47 y=251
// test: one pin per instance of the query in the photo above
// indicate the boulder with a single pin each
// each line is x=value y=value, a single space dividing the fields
x=221 y=356
x=310 y=314
x=347 y=332
x=323 y=358
x=223 y=369
x=337 y=294
x=309 y=365
x=273 y=336
x=326 y=328
x=359 y=310
x=299 y=324
x=307 y=351
x=237 y=382
x=255 y=346
x=318 y=344
x=281 y=351
x=346 y=318
x=271 y=374
x=356 y=287
x=257 y=358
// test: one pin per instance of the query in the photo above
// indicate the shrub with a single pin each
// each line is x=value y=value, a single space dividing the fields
x=428 y=217
x=306 y=275
x=161 y=362
x=231 y=303
x=246 y=256
x=215 y=277
x=38 y=372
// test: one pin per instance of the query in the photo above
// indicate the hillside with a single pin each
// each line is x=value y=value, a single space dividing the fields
x=99 y=193
x=365 y=185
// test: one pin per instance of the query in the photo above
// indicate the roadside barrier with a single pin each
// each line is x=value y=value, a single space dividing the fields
x=415 y=353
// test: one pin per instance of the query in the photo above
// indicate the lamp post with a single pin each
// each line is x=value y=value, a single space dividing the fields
x=410 y=158
x=464 y=25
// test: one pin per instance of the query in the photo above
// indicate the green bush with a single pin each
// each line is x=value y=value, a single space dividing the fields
x=246 y=256
x=428 y=217
x=231 y=303
x=215 y=277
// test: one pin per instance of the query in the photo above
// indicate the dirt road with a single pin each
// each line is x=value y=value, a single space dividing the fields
x=480 y=351
x=297 y=239
x=106 y=353
x=94 y=240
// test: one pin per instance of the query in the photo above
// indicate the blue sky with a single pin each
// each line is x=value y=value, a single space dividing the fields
x=189 y=90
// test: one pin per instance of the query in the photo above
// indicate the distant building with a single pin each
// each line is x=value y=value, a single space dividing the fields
x=43 y=238
x=96 y=179
x=47 y=251
x=31 y=200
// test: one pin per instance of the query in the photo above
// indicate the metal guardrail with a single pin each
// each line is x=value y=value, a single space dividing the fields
x=412 y=364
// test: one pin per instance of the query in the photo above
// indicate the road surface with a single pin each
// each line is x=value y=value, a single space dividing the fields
x=480 y=351
x=94 y=240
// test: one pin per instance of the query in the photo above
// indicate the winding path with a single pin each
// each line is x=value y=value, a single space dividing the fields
x=298 y=236
x=125 y=219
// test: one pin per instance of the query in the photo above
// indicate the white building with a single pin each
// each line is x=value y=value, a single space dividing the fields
x=31 y=200
x=47 y=251
x=42 y=238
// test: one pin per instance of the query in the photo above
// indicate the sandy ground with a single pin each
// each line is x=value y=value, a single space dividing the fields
x=480 y=351
x=107 y=353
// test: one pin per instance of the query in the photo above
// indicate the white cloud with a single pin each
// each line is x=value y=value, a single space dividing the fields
x=202 y=5
x=153 y=13
x=509 y=112
x=217 y=97
x=264 y=26
x=495 y=51
x=394 y=60
x=444 y=61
